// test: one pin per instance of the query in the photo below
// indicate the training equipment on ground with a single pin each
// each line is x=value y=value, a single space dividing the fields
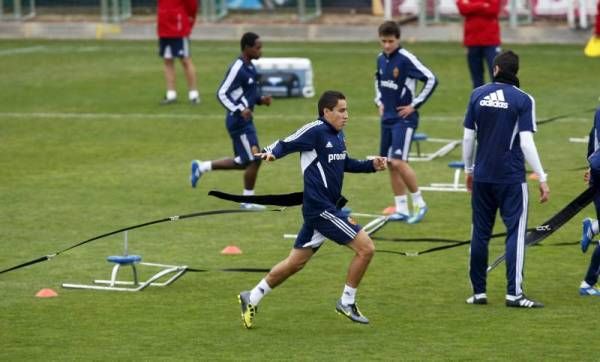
x=544 y=230
x=592 y=48
x=448 y=145
x=46 y=293
x=370 y=228
x=170 y=218
x=455 y=186
x=170 y=272
x=231 y=250
x=285 y=77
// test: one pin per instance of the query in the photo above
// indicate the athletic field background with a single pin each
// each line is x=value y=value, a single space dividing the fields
x=85 y=149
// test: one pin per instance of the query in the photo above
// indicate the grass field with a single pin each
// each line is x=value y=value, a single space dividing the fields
x=86 y=149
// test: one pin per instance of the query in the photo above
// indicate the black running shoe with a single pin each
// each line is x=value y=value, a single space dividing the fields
x=523 y=302
x=477 y=299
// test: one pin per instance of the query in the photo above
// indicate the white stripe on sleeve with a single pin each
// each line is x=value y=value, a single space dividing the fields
x=222 y=93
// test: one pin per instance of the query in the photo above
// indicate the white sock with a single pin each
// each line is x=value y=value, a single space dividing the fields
x=171 y=94
x=259 y=291
x=193 y=94
x=349 y=294
x=401 y=204
x=205 y=166
x=417 y=199
x=248 y=192
x=584 y=285
x=595 y=229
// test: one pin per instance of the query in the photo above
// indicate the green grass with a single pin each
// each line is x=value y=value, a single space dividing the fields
x=86 y=149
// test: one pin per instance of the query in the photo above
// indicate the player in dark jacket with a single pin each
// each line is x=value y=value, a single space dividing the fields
x=501 y=118
x=323 y=159
x=396 y=96
x=590 y=226
x=239 y=94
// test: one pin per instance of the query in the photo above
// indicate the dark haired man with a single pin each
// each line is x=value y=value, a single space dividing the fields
x=398 y=71
x=239 y=93
x=501 y=118
x=323 y=159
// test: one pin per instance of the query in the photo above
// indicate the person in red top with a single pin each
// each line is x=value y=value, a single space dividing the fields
x=481 y=35
x=175 y=19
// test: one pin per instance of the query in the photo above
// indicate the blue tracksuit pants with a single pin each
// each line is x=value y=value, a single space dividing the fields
x=476 y=56
x=511 y=200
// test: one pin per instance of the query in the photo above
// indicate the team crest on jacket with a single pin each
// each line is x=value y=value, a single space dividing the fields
x=396 y=72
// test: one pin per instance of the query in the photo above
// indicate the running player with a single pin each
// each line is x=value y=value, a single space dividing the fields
x=501 y=117
x=398 y=71
x=239 y=93
x=323 y=159
x=590 y=226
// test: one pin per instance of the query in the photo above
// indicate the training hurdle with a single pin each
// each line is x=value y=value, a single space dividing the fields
x=371 y=227
x=448 y=145
x=173 y=272
x=455 y=186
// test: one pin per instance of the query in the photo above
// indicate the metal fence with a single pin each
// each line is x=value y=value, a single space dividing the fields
x=577 y=13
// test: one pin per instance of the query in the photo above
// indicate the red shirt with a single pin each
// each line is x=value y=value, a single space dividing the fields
x=481 y=21
x=175 y=18
x=598 y=20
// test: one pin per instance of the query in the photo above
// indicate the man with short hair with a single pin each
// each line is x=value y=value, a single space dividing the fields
x=398 y=72
x=176 y=19
x=501 y=118
x=323 y=159
x=239 y=93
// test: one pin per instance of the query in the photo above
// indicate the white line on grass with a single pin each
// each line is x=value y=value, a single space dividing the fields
x=27 y=50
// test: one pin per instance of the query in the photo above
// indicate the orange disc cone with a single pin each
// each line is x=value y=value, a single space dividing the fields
x=534 y=176
x=46 y=293
x=231 y=250
x=389 y=210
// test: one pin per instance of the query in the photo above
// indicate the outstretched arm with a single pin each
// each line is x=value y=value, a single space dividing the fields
x=364 y=166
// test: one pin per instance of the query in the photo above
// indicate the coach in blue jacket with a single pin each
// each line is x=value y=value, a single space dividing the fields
x=501 y=117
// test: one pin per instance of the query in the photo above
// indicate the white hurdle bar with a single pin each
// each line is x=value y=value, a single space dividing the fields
x=372 y=226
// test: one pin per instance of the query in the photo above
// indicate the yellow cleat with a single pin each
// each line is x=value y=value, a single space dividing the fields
x=248 y=310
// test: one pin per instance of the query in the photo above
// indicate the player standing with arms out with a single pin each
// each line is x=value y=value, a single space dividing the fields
x=323 y=159
x=481 y=35
x=239 y=93
x=396 y=78
x=590 y=226
x=501 y=118
x=175 y=20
